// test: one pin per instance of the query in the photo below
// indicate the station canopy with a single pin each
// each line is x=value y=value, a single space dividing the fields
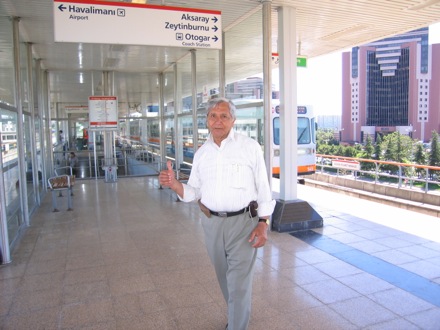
x=323 y=27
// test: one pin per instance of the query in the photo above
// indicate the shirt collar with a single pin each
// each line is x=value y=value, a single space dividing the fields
x=231 y=136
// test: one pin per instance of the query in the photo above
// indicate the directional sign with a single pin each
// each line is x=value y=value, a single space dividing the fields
x=136 y=24
x=275 y=60
x=301 y=61
x=346 y=164
x=77 y=109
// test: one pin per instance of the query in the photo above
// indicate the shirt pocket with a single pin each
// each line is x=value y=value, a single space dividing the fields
x=237 y=175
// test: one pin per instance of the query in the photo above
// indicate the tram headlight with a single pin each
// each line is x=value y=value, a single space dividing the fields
x=276 y=153
x=305 y=151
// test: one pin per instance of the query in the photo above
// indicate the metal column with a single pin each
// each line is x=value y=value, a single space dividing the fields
x=267 y=78
x=33 y=143
x=20 y=130
x=194 y=99
x=290 y=214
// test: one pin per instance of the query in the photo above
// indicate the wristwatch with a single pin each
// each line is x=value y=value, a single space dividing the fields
x=267 y=221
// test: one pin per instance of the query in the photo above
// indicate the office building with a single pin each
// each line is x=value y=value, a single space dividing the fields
x=391 y=85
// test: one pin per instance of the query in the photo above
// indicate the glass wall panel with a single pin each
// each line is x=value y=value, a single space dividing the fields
x=39 y=155
x=11 y=172
x=7 y=80
x=154 y=138
x=184 y=107
x=186 y=125
x=169 y=133
x=245 y=90
x=207 y=87
x=168 y=91
x=207 y=75
x=251 y=56
x=249 y=121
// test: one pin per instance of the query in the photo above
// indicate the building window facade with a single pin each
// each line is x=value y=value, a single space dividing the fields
x=387 y=95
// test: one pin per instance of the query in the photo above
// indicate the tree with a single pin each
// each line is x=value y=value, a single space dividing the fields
x=420 y=157
x=368 y=149
x=325 y=136
x=434 y=154
x=349 y=152
x=325 y=142
x=324 y=149
x=378 y=147
x=390 y=148
x=368 y=154
x=398 y=147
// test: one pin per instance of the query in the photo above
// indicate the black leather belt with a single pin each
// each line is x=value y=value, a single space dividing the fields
x=229 y=214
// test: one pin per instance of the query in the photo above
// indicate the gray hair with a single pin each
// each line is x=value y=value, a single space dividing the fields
x=215 y=101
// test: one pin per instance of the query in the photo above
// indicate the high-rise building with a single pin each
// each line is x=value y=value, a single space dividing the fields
x=391 y=85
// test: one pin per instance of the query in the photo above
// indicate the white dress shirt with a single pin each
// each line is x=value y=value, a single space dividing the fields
x=228 y=177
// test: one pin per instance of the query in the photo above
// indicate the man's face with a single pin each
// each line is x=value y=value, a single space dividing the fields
x=220 y=122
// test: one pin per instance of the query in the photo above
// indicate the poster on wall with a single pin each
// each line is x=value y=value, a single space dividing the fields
x=103 y=113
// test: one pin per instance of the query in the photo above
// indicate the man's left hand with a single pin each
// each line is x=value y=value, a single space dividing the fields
x=259 y=235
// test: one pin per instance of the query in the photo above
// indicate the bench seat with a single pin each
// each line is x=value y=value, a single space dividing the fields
x=58 y=184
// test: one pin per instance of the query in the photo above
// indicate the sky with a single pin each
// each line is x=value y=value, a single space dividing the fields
x=320 y=84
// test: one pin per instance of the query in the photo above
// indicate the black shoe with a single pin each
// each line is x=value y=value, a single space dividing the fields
x=226 y=326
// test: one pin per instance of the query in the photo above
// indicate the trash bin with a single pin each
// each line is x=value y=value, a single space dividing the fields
x=111 y=173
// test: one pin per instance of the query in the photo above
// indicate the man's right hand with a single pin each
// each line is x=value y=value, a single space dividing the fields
x=167 y=177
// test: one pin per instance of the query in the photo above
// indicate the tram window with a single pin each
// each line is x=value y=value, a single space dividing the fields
x=303 y=131
x=276 y=131
x=304 y=136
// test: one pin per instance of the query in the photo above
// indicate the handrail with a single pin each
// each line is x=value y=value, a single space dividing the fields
x=388 y=162
x=63 y=168
x=400 y=175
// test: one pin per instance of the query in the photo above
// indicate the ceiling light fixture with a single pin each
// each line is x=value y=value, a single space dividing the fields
x=80 y=55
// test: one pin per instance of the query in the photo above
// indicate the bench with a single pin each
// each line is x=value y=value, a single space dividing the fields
x=58 y=184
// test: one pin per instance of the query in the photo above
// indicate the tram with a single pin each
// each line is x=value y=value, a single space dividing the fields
x=9 y=141
x=306 y=139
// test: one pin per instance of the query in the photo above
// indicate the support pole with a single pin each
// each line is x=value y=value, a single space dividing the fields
x=291 y=213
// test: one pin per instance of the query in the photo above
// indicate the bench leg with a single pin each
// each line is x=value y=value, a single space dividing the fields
x=69 y=200
x=54 y=201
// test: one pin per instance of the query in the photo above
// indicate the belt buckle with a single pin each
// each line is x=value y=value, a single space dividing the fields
x=223 y=214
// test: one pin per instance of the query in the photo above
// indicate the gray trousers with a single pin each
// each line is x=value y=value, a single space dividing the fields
x=233 y=257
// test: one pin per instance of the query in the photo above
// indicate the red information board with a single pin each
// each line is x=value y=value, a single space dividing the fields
x=103 y=112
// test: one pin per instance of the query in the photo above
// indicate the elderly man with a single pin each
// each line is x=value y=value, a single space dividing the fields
x=229 y=180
